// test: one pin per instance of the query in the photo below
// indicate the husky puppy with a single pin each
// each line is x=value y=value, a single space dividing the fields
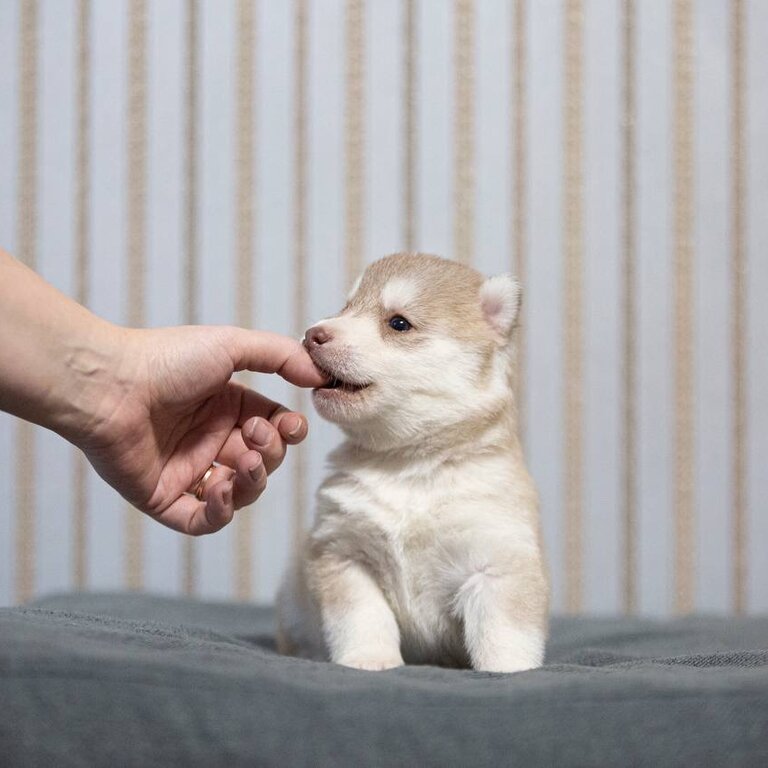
x=426 y=547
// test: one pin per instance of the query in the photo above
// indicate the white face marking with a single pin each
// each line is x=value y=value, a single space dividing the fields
x=355 y=286
x=398 y=293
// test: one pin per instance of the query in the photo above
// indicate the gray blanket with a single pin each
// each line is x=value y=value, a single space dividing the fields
x=127 y=680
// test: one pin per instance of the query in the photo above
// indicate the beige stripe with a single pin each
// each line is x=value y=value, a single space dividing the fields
x=244 y=571
x=519 y=198
x=573 y=316
x=136 y=118
x=300 y=244
x=630 y=365
x=409 y=124
x=80 y=521
x=82 y=271
x=190 y=224
x=738 y=300
x=136 y=237
x=354 y=138
x=25 y=512
x=683 y=301
x=27 y=251
x=189 y=552
x=464 y=180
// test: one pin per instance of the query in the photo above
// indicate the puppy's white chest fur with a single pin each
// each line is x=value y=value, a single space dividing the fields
x=439 y=541
x=405 y=532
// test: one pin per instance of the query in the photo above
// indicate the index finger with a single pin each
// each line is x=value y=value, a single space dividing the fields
x=272 y=353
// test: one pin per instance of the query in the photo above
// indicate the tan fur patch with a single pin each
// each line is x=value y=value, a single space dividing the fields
x=448 y=294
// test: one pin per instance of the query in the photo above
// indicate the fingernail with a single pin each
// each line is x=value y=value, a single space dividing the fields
x=293 y=424
x=261 y=433
x=255 y=471
x=227 y=494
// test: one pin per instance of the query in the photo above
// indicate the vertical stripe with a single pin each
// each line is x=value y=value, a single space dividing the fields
x=464 y=179
x=300 y=243
x=409 y=125
x=244 y=570
x=628 y=299
x=190 y=229
x=738 y=308
x=435 y=121
x=519 y=197
x=354 y=138
x=27 y=250
x=573 y=316
x=683 y=301
x=25 y=511
x=189 y=554
x=136 y=236
x=755 y=220
x=82 y=269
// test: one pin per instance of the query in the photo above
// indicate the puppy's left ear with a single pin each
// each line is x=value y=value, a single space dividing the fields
x=500 y=298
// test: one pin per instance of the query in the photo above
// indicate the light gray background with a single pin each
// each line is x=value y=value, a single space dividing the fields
x=273 y=241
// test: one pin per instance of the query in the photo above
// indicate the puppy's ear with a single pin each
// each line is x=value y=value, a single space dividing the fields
x=355 y=286
x=500 y=298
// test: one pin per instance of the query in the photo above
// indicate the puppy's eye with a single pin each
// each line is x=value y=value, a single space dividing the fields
x=399 y=323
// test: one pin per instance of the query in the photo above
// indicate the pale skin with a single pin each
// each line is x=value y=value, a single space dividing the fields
x=150 y=409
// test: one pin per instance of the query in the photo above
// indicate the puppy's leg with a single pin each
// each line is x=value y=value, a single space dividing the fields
x=359 y=627
x=505 y=619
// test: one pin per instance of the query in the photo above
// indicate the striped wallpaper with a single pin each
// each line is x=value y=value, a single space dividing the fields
x=239 y=161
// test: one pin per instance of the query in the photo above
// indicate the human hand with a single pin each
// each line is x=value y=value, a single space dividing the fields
x=167 y=410
x=151 y=409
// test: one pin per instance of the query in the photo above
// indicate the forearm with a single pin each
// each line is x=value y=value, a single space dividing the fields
x=56 y=358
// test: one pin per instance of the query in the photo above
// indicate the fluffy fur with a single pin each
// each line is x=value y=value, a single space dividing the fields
x=426 y=546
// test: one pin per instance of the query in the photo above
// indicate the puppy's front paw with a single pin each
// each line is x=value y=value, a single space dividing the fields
x=512 y=651
x=374 y=659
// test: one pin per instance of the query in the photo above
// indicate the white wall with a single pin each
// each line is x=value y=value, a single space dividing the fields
x=600 y=154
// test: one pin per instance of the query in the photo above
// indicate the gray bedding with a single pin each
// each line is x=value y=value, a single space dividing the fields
x=127 y=680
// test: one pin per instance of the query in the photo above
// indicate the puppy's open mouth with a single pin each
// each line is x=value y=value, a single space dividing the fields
x=341 y=386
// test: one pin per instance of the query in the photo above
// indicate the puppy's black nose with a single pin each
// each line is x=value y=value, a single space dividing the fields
x=316 y=335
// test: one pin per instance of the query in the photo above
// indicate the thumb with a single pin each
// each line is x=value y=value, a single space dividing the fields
x=272 y=353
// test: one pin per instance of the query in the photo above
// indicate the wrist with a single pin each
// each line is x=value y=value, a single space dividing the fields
x=93 y=381
x=60 y=365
